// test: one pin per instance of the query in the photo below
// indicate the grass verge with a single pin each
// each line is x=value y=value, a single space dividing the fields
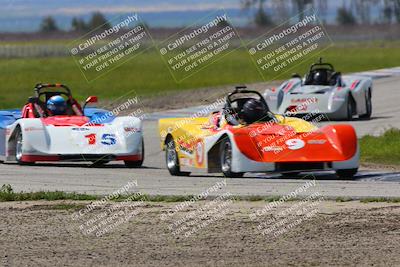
x=7 y=194
x=384 y=149
x=148 y=75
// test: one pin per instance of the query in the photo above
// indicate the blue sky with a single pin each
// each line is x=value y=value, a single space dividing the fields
x=14 y=8
x=26 y=15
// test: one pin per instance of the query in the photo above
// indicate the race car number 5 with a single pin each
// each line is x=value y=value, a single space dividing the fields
x=295 y=144
x=106 y=139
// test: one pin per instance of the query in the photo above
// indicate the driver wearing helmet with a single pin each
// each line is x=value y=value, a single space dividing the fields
x=320 y=78
x=56 y=105
x=252 y=111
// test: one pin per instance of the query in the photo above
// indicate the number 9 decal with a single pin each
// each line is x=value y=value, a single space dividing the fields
x=295 y=144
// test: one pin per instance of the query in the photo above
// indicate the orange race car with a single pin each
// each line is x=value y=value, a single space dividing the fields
x=246 y=137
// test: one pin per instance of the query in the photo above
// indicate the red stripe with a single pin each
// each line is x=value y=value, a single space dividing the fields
x=288 y=87
x=354 y=84
x=34 y=158
x=130 y=158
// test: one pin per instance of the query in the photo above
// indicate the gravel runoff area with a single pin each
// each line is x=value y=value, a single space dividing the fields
x=323 y=233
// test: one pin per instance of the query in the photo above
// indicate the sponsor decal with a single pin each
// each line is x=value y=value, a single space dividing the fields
x=185 y=149
x=273 y=149
x=186 y=161
x=132 y=129
x=295 y=144
x=31 y=129
x=316 y=142
x=200 y=153
x=80 y=129
x=311 y=100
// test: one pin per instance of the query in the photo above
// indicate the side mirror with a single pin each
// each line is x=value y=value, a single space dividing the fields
x=90 y=99
x=296 y=75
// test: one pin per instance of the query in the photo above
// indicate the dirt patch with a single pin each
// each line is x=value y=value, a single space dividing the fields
x=377 y=166
x=340 y=234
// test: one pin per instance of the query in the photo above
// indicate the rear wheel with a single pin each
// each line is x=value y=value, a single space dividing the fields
x=347 y=174
x=226 y=159
x=172 y=159
x=137 y=163
x=368 y=103
x=350 y=108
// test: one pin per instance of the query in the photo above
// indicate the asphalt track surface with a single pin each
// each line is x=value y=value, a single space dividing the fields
x=154 y=179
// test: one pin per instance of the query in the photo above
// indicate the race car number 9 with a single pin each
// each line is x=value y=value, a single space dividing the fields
x=295 y=144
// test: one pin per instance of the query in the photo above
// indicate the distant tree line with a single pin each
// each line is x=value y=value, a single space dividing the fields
x=268 y=13
x=97 y=20
x=349 y=12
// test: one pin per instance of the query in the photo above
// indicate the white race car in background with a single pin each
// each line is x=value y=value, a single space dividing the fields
x=323 y=91
x=83 y=134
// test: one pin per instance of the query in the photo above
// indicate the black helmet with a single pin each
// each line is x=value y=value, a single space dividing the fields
x=253 y=110
x=320 y=77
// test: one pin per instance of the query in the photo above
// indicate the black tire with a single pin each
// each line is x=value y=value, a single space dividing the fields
x=347 y=174
x=137 y=163
x=290 y=174
x=368 y=103
x=19 y=140
x=225 y=155
x=172 y=159
x=350 y=108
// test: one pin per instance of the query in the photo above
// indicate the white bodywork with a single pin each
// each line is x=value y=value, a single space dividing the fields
x=121 y=137
x=318 y=99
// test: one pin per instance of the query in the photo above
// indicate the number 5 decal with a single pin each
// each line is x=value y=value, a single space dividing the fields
x=108 y=139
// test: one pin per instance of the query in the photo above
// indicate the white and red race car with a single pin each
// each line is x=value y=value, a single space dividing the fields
x=83 y=134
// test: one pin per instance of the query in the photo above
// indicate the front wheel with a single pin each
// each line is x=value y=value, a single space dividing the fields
x=172 y=159
x=226 y=159
x=347 y=174
x=19 y=142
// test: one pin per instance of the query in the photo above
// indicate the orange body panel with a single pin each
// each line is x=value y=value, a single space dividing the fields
x=282 y=144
